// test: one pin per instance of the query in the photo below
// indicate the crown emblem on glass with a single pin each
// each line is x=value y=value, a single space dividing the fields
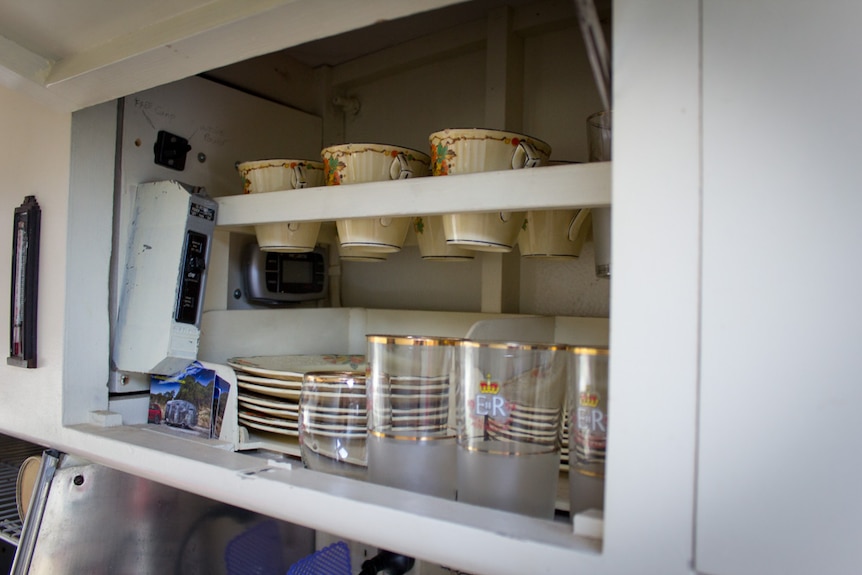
x=589 y=399
x=489 y=387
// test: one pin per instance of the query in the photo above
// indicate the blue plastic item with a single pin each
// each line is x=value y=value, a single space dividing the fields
x=331 y=560
x=256 y=551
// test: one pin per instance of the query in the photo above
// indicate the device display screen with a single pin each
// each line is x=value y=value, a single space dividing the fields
x=272 y=278
x=296 y=272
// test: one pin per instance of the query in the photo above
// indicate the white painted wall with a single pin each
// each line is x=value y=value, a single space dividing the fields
x=559 y=91
x=559 y=94
x=404 y=106
x=34 y=160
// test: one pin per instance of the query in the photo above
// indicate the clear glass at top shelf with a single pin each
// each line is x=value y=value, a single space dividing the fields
x=552 y=187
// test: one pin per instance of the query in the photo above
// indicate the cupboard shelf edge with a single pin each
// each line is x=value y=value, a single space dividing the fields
x=553 y=187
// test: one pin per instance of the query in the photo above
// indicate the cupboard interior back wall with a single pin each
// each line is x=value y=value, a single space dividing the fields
x=405 y=105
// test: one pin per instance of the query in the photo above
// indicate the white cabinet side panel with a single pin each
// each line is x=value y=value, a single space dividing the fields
x=649 y=494
x=88 y=261
x=780 y=466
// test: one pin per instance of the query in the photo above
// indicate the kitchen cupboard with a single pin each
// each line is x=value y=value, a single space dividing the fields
x=780 y=337
x=733 y=315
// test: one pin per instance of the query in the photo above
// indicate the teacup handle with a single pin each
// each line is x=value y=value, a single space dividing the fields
x=505 y=216
x=385 y=221
x=576 y=223
x=298 y=177
x=400 y=168
x=293 y=226
x=525 y=156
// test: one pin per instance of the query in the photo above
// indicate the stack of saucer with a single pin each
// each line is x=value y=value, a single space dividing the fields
x=270 y=387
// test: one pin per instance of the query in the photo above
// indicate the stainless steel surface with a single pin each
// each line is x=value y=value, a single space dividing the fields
x=98 y=520
x=13 y=452
x=32 y=522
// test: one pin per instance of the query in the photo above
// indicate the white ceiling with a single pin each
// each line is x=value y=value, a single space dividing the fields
x=76 y=53
x=58 y=29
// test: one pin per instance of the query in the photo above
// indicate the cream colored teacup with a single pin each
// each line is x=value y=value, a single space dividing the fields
x=262 y=176
x=469 y=150
x=383 y=234
x=492 y=232
x=432 y=241
x=554 y=233
x=360 y=163
x=354 y=254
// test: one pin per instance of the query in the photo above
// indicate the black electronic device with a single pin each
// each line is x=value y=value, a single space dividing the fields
x=275 y=278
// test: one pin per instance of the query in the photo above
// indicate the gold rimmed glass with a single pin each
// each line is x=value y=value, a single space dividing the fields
x=510 y=407
x=588 y=426
x=333 y=422
x=411 y=435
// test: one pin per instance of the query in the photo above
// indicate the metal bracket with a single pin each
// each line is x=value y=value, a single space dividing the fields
x=170 y=151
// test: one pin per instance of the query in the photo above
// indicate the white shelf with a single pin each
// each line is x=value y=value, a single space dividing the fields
x=576 y=185
x=471 y=538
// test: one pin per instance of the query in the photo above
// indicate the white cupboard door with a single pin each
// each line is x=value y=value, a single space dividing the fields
x=780 y=464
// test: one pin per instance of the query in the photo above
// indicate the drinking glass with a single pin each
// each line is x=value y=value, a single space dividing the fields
x=599 y=144
x=588 y=426
x=510 y=403
x=411 y=435
x=333 y=422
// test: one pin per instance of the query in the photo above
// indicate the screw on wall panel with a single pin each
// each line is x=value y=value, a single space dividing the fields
x=202 y=157
x=237 y=294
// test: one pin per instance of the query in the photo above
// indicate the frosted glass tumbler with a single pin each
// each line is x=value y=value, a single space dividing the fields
x=411 y=431
x=510 y=408
x=588 y=426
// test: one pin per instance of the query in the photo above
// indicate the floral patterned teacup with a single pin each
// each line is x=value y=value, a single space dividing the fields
x=261 y=176
x=469 y=150
x=359 y=163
